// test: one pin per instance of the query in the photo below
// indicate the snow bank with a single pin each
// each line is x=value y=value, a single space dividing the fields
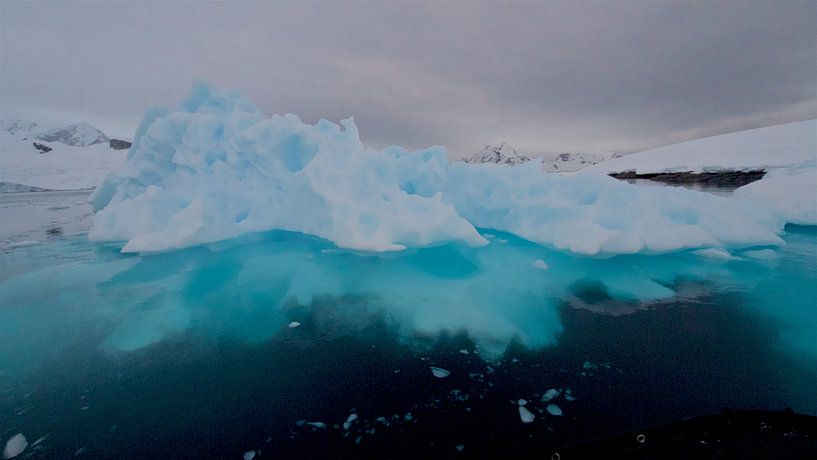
x=216 y=168
x=793 y=192
x=766 y=148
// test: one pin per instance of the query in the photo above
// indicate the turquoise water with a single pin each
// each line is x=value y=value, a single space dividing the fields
x=193 y=348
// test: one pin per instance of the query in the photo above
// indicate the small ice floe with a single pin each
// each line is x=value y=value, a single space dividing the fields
x=490 y=236
x=15 y=446
x=553 y=409
x=24 y=243
x=540 y=264
x=465 y=352
x=293 y=325
x=80 y=451
x=569 y=396
x=502 y=240
x=249 y=455
x=460 y=447
x=715 y=254
x=84 y=407
x=589 y=365
x=550 y=395
x=525 y=415
x=408 y=417
x=521 y=402
x=348 y=423
x=319 y=425
x=439 y=372
x=38 y=441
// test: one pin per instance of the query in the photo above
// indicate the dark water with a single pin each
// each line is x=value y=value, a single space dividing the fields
x=183 y=399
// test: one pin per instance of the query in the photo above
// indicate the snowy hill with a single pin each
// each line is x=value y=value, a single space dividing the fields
x=569 y=162
x=75 y=135
x=756 y=149
x=501 y=154
x=80 y=156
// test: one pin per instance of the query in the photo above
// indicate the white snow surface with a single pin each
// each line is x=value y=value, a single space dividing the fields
x=793 y=192
x=780 y=146
x=571 y=162
x=63 y=168
x=499 y=154
x=216 y=168
x=75 y=135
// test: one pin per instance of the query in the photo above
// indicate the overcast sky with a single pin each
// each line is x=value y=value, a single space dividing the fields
x=545 y=77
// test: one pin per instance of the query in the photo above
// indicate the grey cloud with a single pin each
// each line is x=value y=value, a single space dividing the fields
x=545 y=76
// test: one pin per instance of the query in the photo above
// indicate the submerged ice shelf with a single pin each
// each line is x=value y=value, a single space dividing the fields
x=253 y=289
x=216 y=168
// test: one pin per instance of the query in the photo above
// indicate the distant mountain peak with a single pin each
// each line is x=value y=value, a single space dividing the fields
x=500 y=154
x=76 y=135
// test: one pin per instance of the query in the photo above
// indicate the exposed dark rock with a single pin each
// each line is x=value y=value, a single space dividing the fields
x=118 y=144
x=726 y=179
x=42 y=147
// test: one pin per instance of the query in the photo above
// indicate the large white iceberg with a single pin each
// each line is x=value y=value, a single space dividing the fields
x=215 y=168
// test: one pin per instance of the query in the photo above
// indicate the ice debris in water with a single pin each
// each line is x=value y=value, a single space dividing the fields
x=319 y=425
x=249 y=455
x=15 y=446
x=553 y=409
x=550 y=395
x=522 y=402
x=439 y=372
x=525 y=415
x=348 y=423
x=540 y=264
x=460 y=447
x=216 y=168
x=293 y=325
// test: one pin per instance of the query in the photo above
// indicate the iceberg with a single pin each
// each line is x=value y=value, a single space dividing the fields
x=215 y=168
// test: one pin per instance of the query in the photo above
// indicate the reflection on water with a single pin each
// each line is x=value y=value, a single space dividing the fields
x=708 y=188
x=42 y=216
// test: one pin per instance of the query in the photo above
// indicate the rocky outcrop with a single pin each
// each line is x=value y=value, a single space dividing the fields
x=42 y=147
x=725 y=179
x=118 y=144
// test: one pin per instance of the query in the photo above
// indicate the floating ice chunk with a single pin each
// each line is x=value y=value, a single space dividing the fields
x=319 y=425
x=525 y=415
x=465 y=352
x=550 y=395
x=439 y=372
x=715 y=254
x=589 y=365
x=249 y=455
x=522 y=402
x=349 y=420
x=23 y=243
x=15 y=446
x=216 y=168
x=540 y=264
x=553 y=409
x=460 y=447
x=293 y=325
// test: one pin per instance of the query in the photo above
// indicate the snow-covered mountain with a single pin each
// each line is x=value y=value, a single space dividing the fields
x=500 y=154
x=75 y=135
x=563 y=162
x=71 y=157
x=569 y=162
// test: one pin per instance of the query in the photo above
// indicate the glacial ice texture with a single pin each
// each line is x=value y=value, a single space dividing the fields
x=216 y=168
